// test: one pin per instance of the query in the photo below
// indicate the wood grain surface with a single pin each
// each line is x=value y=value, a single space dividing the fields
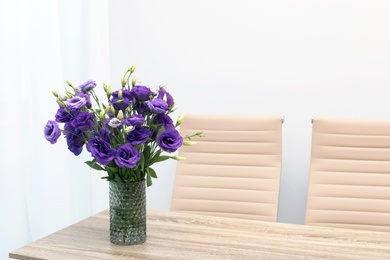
x=175 y=235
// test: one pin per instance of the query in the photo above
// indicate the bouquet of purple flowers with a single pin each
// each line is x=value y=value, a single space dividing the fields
x=126 y=136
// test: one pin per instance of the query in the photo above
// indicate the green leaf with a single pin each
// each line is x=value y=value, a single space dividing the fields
x=154 y=158
x=152 y=173
x=108 y=178
x=160 y=131
x=141 y=162
x=146 y=151
x=163 y=158
x=118 y=179
x=139 y=175
x=94 y=165
x=112 y=169
x=148 y=180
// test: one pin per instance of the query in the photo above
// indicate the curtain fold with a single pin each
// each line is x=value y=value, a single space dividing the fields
x=44 y=187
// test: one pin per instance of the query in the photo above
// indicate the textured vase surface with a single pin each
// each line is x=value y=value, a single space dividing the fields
x=127 y=213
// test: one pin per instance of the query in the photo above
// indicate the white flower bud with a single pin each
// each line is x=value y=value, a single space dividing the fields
x=128 y=129
x=163 y=85
x=132 y=69
x=71 y=85
x=120 y=115
x=109 y=90
x=68 y=93
x=62 y=96
x=188 y=143
x=123 y=81
x=178 y=158
x=180 y=119
x=102 y=116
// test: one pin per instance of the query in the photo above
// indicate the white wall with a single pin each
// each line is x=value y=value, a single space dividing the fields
x=299 y=59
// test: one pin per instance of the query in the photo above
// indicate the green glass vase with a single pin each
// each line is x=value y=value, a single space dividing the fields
x=127 y=213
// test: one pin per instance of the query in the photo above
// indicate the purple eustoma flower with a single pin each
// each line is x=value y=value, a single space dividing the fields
x=141 y=93
x=138 y=135
x=62 y=116
x=52 y=131
x=100 y=150
x=68 y=129
x=164 y=121
x=127 y=156
x=83 y=121
x=141 y=107
x=105 y=135
x=87 y=86
x=170 y=140
x=158 y=106
x=75 y=140
x=87 y=97
x=75 y=103
x=169 y=99
x=136 y=120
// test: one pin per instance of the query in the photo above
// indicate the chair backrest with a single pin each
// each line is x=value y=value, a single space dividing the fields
x=349 y=183
x=234 y=170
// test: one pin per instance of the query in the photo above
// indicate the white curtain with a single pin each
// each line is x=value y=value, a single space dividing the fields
x=44 y=187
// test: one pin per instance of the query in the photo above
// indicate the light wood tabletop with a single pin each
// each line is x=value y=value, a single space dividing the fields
x=175 y=235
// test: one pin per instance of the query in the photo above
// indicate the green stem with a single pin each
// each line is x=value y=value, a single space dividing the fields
x=93 y=94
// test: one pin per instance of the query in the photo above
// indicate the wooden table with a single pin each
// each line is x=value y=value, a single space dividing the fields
x=174 y=235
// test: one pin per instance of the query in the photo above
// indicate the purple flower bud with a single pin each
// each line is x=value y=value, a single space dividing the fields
x=87 y=86
x=74 y=104
x=114 y=122
x=169 y=99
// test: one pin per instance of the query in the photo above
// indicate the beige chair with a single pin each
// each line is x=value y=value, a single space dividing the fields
x=349 y=183
x=234 y=170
